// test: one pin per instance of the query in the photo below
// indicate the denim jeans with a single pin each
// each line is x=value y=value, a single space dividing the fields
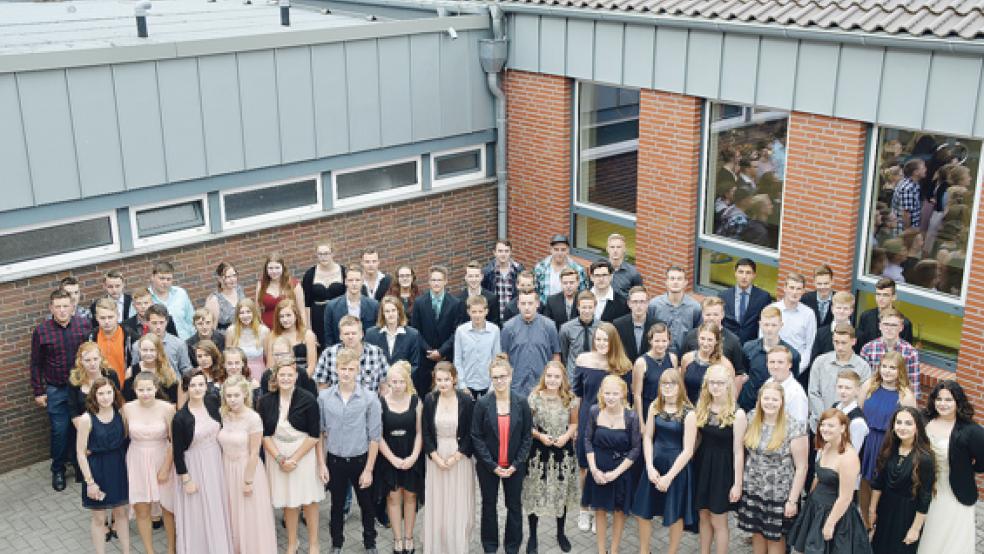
x=61 y=426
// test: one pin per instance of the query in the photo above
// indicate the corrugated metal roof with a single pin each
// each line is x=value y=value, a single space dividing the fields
x=935 y=18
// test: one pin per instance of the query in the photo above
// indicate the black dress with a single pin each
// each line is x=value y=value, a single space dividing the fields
x=714 y=467
x=897 y=506
x=107 y=463
x=316 y=297
x=806 y=534
x=399 y=431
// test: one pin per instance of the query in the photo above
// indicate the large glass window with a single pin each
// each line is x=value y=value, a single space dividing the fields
x=608 y=146
x=591 y=235
x=59 y=242
x=920 y=210
x=746 y=168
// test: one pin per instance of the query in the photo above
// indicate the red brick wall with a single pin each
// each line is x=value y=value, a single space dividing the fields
x=669 y=173
x=614 y=183
x=437 y=229
x=539 y=161
x=970 y=359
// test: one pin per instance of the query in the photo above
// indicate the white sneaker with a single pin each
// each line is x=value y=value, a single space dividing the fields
x=584 y=520
x=594 y=527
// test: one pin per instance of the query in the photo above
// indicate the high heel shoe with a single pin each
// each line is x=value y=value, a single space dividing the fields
x=408 y=546
x=398 y=546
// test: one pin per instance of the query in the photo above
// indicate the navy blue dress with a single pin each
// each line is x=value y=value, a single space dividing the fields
x=107 y=463
x=610 y=447
x=650 y=381
x=693 y=378
x=678 y=501
x=587 y=383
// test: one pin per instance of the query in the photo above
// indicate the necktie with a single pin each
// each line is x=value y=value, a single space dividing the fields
x=742 y=306
x=436 y=304
x=824 y=306
x=587 y=336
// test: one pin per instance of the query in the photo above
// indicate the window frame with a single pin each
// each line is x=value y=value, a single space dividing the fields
x=373 y=197
x=721 y=244
x=480 y=173
x=66 y=257
x=203 y=229
x=271 y=217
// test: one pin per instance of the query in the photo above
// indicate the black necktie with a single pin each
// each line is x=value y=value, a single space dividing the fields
x=587 y=336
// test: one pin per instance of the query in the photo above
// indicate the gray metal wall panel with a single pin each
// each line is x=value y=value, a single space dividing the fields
x=858 y=78
x=141 y=136
x=15 y=173
x=296 y=104
x=776 y=74
x=704 y=64
x=219 y=81
x=553 y=37
x=740 y=55
x=527 y=39
x=953 y=83
x=580 y=48
x=425 y=89
x=609 y=42
x=362 y=80
x=97 y=136
x=482 y=102
x=258 y=94
x=815 y=86
x=670 y=65
x=181 y=116
x=638 y=65
x=330 y=99
x=455 y=93
x=900 y=104
x=394 y=89
x=48 y=131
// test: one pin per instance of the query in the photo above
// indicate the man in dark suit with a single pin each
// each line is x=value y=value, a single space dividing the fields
x=436 y=315
x=113 y=285
x=633 y=326
x=351 y=303
x=611 y=305
x=885 y=298
x=375 y=283
x=473 y=287
x=744 y=302
x=562 y=307
x=821 y=299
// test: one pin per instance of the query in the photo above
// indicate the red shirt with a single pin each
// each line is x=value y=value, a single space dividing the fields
x=503 y=440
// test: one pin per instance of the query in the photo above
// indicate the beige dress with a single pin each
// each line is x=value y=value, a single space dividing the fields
x=449 y=507
x=301 y=486
x=251 y=516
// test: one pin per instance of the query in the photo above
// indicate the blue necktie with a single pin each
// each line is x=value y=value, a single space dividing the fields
x=742 y=306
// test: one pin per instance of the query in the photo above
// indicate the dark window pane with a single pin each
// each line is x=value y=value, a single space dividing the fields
x=592 y=234
x=168 y=219
x=608 y=134
x=59 y=239
x=378 y=179
x=241 y=205
x=457 y=164
x=745 y=173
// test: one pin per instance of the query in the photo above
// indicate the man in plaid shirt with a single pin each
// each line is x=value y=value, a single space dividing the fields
x=372 y=363
x=906 y=202
x=873 y=352
x=500 y=274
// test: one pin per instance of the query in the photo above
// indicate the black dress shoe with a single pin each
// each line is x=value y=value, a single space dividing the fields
x=157 y=523
x=58 y=481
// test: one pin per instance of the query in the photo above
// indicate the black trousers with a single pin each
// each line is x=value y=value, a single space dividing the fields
x=512 y=487
x=344 y=472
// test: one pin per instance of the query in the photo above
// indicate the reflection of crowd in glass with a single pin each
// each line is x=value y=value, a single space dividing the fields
x=586 y=397
x=921 y=218
x=748 y=187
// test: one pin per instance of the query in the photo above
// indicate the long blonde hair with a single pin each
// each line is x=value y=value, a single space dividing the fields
x=234 y=333
x=618 y=362
x=726 y=417
x=565 y=394
x=658 y=406
x=754 y=433
x=79 y=376
x=403 y=368
x=162 y=365
x=901 y=382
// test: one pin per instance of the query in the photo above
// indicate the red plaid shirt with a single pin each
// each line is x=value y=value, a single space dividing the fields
x=53 y=350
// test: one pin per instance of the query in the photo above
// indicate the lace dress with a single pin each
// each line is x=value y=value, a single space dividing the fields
x=551 y=483
x=767 y=482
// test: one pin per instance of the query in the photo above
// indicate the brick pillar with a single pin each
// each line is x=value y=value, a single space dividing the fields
x=821 y=196
x=539 y=161
x=669 y=174
x=970 y=358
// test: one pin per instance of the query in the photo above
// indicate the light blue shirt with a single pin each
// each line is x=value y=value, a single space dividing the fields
x=474 y=350
x=180 y=308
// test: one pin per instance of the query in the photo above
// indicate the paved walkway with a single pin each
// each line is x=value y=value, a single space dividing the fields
x=33 y=518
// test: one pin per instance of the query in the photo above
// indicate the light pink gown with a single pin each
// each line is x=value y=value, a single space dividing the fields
x=253 y=531
x=203 y=518
x=148 y=447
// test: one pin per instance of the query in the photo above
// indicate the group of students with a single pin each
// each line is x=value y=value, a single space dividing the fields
x=662 y=411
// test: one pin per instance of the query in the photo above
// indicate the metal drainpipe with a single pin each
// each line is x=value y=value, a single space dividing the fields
x=492 y=54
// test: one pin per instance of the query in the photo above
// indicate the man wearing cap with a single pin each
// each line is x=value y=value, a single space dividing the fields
x=547 y=272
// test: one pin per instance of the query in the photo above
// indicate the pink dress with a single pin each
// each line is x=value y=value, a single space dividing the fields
x=252 y=516
x=203 y=518
x=148 y=447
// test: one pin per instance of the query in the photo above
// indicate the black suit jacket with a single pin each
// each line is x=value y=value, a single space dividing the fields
x=490 y=297
x=810 y=300
x=406 y=347
x=436 y=332
x=626 y=332
x=614 y=308
x=381 y=290
x=868 y=330
x=485 y=432
x=966 y=456
x=556 y=309
x=429 y=431
x=127 y=306
x=748 y=328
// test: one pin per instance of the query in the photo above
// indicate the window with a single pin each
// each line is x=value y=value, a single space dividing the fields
x=716 y=270
x=607 y=147
x=363 y=184
x=268 y=202
x=456 y=166
x=591 y=234
x=920 y=211
x=743 y=182
x=55 y=243
x=161 y=223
